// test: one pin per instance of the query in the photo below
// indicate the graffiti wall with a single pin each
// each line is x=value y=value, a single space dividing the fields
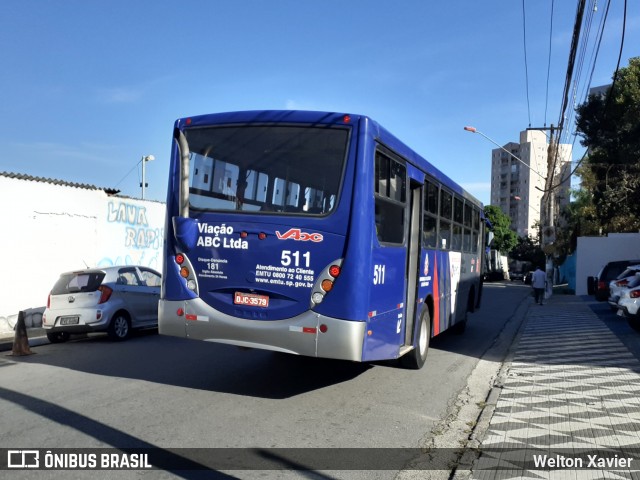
x=133 y=232
x=52 y=226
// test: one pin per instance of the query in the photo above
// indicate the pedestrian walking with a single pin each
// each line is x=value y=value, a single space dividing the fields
x=539 y=284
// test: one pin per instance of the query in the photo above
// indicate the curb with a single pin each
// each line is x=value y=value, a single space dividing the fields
x=36 y=336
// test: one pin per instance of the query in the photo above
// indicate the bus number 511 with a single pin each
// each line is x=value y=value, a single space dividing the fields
x=378 y=274
x=287 y=256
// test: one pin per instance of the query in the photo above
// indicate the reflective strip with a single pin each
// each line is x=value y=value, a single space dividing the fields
x=373 y=314
x=295 y=328
x=197 y=318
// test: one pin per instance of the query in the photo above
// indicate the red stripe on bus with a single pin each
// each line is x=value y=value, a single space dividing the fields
x=436 y=302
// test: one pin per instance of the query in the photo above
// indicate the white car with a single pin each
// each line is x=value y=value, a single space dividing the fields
x=113 y=300
x=629 y=304
x=620 y=284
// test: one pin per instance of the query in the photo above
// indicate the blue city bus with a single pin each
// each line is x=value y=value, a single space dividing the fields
x=314 y=233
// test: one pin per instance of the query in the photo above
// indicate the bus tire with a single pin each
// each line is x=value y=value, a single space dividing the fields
x=416 y=358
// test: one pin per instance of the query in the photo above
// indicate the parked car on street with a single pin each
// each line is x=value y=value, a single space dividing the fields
x=112 y=299
x=599 y=285
x=629 y=303
x=528 y=278
x=516 y=276
x=621 y=283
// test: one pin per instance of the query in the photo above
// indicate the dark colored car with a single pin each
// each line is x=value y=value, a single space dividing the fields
x=599 y=285
x=528 y=278
x=516 y=276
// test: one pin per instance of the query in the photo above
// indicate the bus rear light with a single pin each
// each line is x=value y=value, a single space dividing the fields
x=346 y=119
x=184 y=272
x=262 y=235
x=622 y=283
x=323 y=328
x=324 y=282
x=191 y=285
x=105 y=293
x=634 y=293
x=179 y=259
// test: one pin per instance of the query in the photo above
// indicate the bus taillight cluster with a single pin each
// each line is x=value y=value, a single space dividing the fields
x=324 y=284
x=186 y=272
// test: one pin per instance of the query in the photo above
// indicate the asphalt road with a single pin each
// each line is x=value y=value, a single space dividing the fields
x=168 y=393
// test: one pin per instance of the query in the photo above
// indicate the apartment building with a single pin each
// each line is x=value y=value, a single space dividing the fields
x=517 y=186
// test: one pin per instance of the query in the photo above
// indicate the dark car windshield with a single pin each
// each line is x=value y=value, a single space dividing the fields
x=78 y=282
x=291 y=169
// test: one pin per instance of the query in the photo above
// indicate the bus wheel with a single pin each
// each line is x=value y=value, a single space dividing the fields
x=415 y=358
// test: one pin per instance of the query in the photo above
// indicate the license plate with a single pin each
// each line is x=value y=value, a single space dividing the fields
x=69 y=320
x=250 y=299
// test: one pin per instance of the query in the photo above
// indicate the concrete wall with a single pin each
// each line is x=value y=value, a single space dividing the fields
x=593 y=253
x=50 y=227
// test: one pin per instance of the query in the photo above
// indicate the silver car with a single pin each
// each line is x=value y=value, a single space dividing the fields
x=620 y=284
x=112 y=299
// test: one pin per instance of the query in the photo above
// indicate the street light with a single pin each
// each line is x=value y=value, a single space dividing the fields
x=548 y=220
x=475 y=130
x=145 y=159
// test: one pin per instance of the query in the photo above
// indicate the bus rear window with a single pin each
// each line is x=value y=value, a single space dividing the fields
x=288 y=169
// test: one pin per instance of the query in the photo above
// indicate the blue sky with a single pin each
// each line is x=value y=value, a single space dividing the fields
x=88 y=87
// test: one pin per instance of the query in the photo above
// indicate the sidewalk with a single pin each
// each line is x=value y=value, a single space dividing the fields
x=569 y=405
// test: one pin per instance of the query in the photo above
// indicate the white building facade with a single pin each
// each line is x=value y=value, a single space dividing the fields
x=517 y=187
x=52 y=226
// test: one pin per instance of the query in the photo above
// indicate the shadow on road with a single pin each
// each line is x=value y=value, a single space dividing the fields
x=198 y=365
x=260 y=373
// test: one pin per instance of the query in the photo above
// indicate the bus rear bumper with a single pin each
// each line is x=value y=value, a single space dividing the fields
x=308 y=334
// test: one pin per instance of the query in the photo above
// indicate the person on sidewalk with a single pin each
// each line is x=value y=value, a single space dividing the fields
x=539 y=284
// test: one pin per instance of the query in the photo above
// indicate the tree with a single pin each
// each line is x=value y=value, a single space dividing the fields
x=610 y=128
x=528 y=250
x=504 y=239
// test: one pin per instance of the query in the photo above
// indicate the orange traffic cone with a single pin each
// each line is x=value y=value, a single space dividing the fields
x=21 y=341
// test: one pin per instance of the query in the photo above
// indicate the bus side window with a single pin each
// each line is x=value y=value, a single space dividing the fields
x=446 y=204
x=390 y=199
x=429 y=231
x=389 y=222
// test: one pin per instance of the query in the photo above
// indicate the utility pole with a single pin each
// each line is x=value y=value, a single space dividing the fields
x=547 y=220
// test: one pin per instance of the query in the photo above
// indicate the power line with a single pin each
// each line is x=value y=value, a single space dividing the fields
x=546 y=100
x=526 y=68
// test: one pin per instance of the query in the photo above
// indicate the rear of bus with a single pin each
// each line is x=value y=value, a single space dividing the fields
x=259 y=211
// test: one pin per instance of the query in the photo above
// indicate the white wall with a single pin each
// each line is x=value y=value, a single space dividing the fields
x=50 y=228
x=593 y=253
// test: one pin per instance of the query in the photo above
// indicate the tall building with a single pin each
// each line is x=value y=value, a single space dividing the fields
x=517 y=187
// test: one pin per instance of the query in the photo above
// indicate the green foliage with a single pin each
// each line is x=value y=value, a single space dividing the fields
x=504 y=238
x=609 y=198
x=528 y=249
